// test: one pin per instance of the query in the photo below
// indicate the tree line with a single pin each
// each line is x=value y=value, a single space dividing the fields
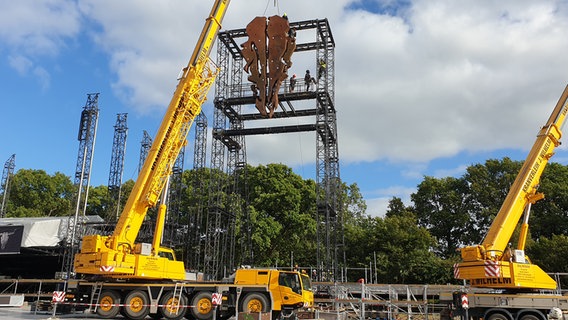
x=415 y=243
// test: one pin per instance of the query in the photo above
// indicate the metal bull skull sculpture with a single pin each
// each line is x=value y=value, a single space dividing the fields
x=267 y=54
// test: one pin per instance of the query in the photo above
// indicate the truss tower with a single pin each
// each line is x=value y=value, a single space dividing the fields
x=7 y=175
x=87 y=136
x=232 y=97
x=117 y=165
x=145 y=145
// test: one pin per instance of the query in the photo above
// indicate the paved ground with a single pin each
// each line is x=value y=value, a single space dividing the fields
x=25 y=313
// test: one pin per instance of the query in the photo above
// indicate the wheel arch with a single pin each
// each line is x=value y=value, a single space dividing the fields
x=248 y=293
x=490 y=313
x=535 y=312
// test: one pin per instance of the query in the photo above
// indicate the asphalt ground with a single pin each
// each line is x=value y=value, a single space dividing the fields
x=26 y=313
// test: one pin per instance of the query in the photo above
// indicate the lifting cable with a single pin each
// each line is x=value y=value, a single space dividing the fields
x=276 y=4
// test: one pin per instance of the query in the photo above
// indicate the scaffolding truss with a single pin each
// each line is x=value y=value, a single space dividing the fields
x=145 y=145
x=117 y=166
x=228 y=154
x=7 y=175
x=174 y=233
x=87 y=137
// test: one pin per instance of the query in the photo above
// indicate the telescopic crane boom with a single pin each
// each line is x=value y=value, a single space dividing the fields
x=118 y=255
x=493 y=263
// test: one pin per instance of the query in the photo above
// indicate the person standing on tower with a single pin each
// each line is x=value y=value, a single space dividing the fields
x=308 y=80
x=292 y=82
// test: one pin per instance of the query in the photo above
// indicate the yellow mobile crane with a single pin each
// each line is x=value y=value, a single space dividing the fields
x=503 y=283
x=118 y=255
x=493 y=263
x=137 y=279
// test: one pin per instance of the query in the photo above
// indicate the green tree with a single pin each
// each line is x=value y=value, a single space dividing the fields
x=550 y=254
x=489 y=184
x=397 y=208
x=402 y=251
x=550 y=216
x=443 y=206
x=34 y=193
x=408 y=251
x=98 y=201
x=281 y=208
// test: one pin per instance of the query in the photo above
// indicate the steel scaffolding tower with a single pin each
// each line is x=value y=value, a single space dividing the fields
x=173 y=236
x=7 y=175
x=194 y=221
x=145 y=145
x=117 y=165
x=231 y=96
x=87 y=136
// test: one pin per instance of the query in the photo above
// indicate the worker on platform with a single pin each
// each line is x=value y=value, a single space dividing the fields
x=308 y=80
x=292 y=82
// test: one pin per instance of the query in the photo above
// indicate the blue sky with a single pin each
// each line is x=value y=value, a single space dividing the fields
x=422 y=87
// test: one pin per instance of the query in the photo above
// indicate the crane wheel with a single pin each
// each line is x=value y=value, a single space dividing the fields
x=173 y=307
x=136 y=305
x=254 y=302
x=532 y=317
x=202 y=306
x=109 y=304
x=499 y=316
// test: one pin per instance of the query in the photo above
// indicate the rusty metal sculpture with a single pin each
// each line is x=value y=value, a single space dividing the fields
x=268 y=53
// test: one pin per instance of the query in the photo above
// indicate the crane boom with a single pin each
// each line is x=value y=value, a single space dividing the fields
x=119 y=252
x=524 y=190
x=492 y=263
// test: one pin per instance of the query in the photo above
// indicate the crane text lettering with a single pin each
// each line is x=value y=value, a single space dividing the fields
x=485 y=281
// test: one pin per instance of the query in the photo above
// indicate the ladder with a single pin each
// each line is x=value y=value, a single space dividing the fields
x=95 y=294
x=178 y=289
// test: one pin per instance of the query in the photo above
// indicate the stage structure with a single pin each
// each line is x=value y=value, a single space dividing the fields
x=311 y=100
x=87 y=137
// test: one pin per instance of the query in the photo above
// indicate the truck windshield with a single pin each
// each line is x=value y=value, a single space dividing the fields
x=290 y=280
x=306 y=282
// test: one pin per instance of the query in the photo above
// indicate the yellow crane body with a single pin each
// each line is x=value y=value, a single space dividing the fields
x=494 y=264
x=118 y=256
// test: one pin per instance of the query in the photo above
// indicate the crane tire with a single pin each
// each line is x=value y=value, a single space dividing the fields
x=530 y=316
x=202 y=306
x=498 y=316
x=109 y=304
x=136 y=305
x=168 y=305
x=254 y=302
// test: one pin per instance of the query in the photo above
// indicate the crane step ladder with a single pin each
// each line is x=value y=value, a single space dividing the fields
x=178 y=290
x=95 y=294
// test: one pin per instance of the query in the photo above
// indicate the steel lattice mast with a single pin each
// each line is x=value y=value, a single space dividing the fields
x=87 y=137
x=117 y=164
x=175 y=193
x=193 y=248
x=145 y=145
x=7 y=174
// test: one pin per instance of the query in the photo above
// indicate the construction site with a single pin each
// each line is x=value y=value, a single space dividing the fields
x=241 y=102
x=230 y=127
x=123 y=264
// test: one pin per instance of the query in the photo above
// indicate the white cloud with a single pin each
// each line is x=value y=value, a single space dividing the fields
x=451 y=172
x=42 y=77
x=38 y=27
x=459 y=76
x=378 y=200
x=20 y=63
x=26 y=68
x=34 y=29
